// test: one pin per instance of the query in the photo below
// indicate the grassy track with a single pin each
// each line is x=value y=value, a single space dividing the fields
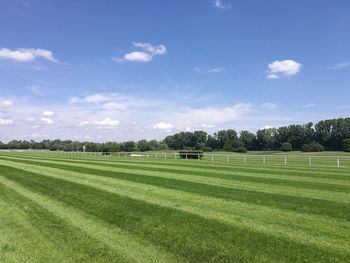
x=98 y=209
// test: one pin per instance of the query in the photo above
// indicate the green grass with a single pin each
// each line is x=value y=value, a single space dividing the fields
x=108 y=209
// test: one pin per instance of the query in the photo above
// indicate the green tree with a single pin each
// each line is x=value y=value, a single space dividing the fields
x=163 y=147
x=247 y=138
x=346 y=145
x=286 y=147
x=143 y=146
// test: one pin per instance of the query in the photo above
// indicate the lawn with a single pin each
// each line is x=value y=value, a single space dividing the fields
x=59 y=208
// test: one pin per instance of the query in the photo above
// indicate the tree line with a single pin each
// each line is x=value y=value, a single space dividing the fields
x=333 y=134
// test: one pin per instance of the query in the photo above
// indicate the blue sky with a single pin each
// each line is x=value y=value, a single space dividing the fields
x=120 y=70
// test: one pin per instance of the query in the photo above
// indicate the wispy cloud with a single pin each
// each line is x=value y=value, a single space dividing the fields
x=145 y=53
x=6 y=121
x=283 y=68
x=36 y=90
x=308 y=105
x=343 y=107
x=219 y=4
x=269 y=105
x=120 y=117
x=340 y=65
x=108 y=121
x=6 y=103
x=163 y=126
x=115 y=101
x=210 y=70
x=26 y=54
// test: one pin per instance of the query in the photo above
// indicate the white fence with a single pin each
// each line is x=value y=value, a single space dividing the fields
x=273 y=159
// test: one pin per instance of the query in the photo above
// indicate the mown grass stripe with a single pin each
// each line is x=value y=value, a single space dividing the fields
x=281 y=179
x=48 y=231
x=322 y=172
x=297 y=227
x=234 y=184
x=62 y=222
x=294 y=203
x=197 y=239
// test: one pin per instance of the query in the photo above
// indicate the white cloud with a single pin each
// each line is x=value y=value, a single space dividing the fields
x=114 y=101
x=204 y=125
x=48 y=113
x=220 y=5
x=211 y=70
x=138 y=56
x=152 y=49
x=47 y=120
x=107 y=122
x=340 y=65
x=163 y=126
x=83 y=123
x=283 y=68
x=30 y=119
x=216 y=70
x=36 y=90
x=343 y=107
x=308 y=105
x=26 y=54
x=269 y=105
x=145 y=54
x=215 y=115
x=138 y=119
x=6 y=103
x=6 y=121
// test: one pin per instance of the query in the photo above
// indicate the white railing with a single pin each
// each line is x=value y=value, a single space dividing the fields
x=262 y=159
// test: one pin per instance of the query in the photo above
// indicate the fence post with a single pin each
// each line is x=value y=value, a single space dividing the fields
x=227 y=158
x=310 y=161
x=212 y=158
x=245 y=159
x=264 y=159
x=186 y=156
x=156 y=156
x=165 y=156
x=285 y=160
x=338 y=162
x=198 y=156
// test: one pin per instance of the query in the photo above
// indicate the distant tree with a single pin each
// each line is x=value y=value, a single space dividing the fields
x=143 y=146
x=163 y=147
x=129 y=146
x=286 y=147
x=247 y=138
x=233 y=145
x=212 y=142
x=153 y=145
x=313 y=147
x=265 y=139
x=346 y=145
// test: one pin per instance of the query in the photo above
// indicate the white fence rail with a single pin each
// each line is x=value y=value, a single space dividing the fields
x=273 y=159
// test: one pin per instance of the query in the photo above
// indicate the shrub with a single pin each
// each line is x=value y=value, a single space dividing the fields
x=163 y=147
x=233 y=145
x=208 y=149
x=240 y=149
x=191 y=154
x=312 y=147
x=346 y=145
x=286 y=147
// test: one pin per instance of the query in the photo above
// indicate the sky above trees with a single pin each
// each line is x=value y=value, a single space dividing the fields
x=128 y=70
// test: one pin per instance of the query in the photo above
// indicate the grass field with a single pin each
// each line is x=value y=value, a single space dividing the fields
x=110 y=209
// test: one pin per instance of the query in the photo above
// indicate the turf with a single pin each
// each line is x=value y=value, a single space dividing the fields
x=98 y=209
